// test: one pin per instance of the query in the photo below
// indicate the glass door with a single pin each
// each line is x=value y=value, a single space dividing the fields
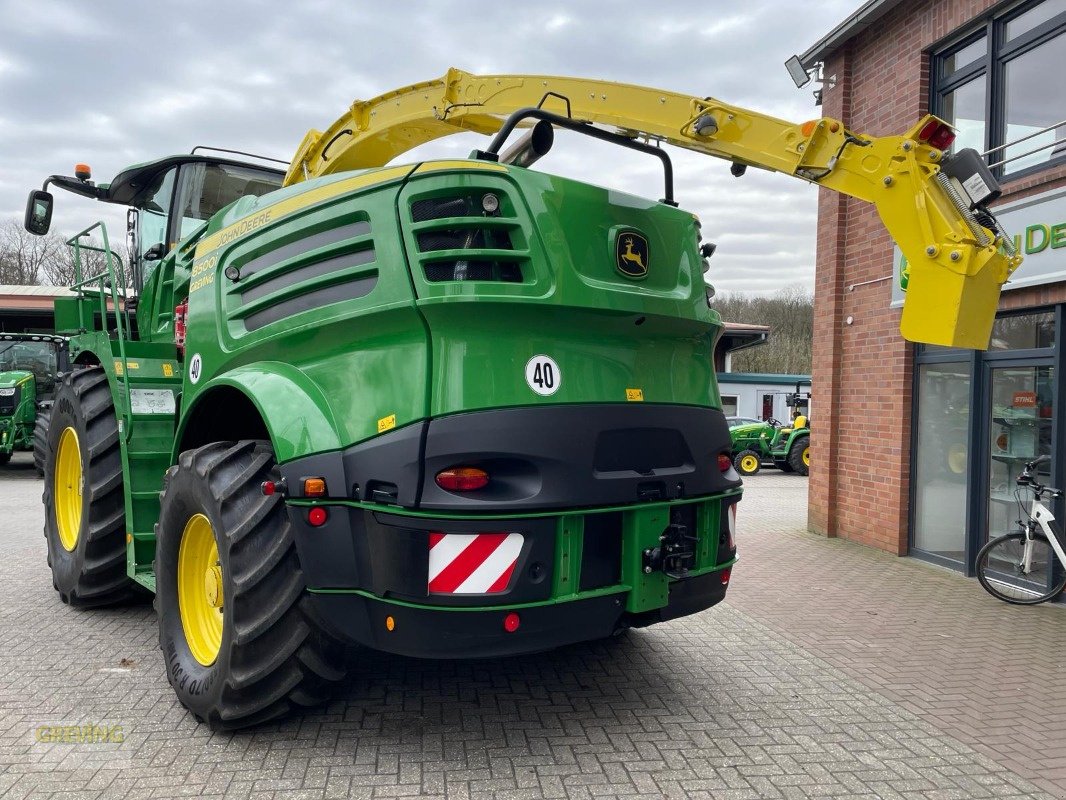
x=941 y=458
x=1020 y=429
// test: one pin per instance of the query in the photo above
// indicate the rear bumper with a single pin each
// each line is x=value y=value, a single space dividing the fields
x=426 y=632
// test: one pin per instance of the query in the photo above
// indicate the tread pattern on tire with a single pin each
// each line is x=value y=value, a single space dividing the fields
x=101 y=576
x=795 y=455
x=277 y=655
x=40 y=439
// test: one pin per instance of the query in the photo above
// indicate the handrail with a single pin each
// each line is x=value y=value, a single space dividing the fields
x=1026 y=137
x=121 y=313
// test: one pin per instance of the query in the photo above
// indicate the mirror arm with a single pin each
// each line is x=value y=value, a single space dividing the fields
x=77 y=186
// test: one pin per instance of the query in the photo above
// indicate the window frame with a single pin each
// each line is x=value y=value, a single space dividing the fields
x=992 y=66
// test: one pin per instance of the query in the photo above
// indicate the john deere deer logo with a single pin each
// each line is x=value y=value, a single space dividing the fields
x=631 y=255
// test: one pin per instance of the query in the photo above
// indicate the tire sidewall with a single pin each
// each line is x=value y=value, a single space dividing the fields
x=66 y=564
x=795 y=455
x=198 y=687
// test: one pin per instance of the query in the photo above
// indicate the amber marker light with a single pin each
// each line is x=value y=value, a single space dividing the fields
x=462 y=479
x=82 y=172
x=314 y=487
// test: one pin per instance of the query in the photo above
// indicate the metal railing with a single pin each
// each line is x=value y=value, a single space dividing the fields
x=1025 y=138
x=101 y=286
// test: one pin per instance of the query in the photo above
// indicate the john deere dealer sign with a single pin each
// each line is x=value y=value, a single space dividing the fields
x=1038 y=225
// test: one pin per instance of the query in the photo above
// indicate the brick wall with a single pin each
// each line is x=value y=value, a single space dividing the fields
x=862 y=374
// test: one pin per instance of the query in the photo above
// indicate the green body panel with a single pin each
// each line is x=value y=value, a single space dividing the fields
x=329 y=324
x=16 y=428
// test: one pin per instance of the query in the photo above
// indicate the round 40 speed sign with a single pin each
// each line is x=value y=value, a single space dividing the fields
x=543 y=375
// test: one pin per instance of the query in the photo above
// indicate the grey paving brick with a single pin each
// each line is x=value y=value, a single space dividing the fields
x=748 y=700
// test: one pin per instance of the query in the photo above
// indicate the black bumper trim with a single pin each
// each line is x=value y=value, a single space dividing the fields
x=479 y=633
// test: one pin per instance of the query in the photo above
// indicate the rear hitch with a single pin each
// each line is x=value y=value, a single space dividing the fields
x=675 y=554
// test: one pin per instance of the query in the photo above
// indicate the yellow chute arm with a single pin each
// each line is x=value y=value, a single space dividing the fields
x=957 y=264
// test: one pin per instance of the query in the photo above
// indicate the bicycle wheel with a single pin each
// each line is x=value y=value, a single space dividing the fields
x=1001 y=570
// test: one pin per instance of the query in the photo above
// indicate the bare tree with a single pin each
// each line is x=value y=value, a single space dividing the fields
x=790 y=315
x=24 y=257
x=61 y=270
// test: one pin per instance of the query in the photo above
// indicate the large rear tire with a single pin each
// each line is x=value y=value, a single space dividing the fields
x=40 y=439
x=799 y=457
x=239 y=637
x=85 y=512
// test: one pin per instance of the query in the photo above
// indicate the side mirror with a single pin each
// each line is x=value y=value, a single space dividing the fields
x=155 y=252
x=38 y=212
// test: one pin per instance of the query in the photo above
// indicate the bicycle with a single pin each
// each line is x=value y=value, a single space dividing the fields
x=1013 y=568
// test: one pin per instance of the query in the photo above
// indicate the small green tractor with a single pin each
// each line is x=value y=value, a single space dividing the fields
x=29 y=366
x=788 y=447
x=447 y=409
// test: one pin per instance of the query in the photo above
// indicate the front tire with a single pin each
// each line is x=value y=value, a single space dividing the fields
x=999 y=563
x=747 y=462
x=85 y=512
x=238 y=634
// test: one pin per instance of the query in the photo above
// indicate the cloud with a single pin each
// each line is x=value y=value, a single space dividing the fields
x=116 y=83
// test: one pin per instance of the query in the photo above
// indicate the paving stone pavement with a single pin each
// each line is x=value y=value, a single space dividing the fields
x=732 y=703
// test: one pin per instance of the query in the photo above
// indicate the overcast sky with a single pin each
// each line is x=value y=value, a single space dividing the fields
x=115 y=83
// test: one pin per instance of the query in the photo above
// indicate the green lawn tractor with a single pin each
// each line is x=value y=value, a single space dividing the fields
x=29 y=365
x=446 y=409
x=788 y=447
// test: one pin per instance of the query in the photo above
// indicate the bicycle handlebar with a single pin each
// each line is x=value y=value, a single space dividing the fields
x=1026 y=478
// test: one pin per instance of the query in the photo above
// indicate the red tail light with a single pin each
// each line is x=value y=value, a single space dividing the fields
x=462 y=479
x=511 y=622
x=937 y=134
x=317 y=516
x=725 y=575
x=725 y=463
x=181 y=311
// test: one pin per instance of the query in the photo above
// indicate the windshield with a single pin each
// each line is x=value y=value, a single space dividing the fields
x=36 y=357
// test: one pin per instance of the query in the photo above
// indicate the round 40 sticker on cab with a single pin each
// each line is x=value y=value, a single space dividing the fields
x=543 y=375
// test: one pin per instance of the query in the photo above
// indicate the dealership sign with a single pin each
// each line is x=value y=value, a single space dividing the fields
x=1038 y=225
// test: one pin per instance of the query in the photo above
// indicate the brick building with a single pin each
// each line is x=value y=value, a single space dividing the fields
x=915 y=445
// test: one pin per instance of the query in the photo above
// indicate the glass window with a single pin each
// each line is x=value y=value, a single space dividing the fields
x=1020 y=430
x=729 y=405
x=208 y=188
x=29 y=356
x=1023 y=331
x=156 y=209
x=942 y=459
x=1033 y=102
x=964 y=108
x=1001 y=85
x=965 y=56
x=1024 y=23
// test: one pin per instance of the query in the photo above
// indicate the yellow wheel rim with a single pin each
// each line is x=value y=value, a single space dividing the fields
x=806 y=456
x=749 y=463
x=68 y=480
x=957 y=458
x=200 y=596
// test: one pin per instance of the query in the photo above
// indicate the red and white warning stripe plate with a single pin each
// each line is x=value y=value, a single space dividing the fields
x=472 y=563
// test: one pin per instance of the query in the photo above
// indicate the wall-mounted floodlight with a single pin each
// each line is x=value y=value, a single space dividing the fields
x=799 y=73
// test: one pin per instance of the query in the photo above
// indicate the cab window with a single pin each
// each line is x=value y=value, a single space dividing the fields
x=208 y=188
x=155 y=210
